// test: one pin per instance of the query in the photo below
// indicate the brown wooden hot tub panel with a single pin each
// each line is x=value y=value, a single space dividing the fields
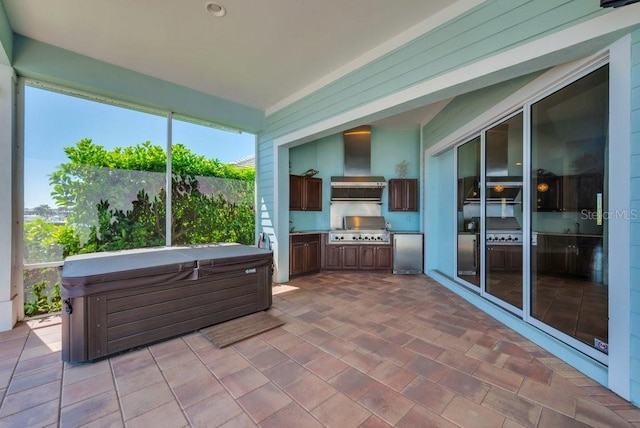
x=130 y=317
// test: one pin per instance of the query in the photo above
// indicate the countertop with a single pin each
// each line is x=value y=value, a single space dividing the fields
x=569 y=235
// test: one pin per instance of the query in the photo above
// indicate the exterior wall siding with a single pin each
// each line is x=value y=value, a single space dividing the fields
x=466 y=107
x=635 y=225
x=493 y=27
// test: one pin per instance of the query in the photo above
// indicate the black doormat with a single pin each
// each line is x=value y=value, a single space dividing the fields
x=233 y=331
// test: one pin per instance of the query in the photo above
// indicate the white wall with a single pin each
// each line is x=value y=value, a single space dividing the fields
x=9 y=296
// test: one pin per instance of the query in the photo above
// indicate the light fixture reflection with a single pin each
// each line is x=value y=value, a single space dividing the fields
x=542 y=187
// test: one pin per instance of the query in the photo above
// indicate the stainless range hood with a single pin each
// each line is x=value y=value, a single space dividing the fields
x=357 y=184
x=357 y=188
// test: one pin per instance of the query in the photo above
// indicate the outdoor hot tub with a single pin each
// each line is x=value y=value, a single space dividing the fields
x=120 y=300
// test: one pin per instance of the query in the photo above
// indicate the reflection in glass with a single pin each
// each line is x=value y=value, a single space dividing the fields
x=503 y=211
x=569 y=132
x=469 y=211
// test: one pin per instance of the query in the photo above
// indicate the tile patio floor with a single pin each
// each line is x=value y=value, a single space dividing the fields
x=367 y=350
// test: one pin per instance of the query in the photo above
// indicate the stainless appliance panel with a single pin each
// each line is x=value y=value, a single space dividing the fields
x=407 y=253
x=467 y=254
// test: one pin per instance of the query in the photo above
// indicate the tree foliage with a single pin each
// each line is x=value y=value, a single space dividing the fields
x=118 y=198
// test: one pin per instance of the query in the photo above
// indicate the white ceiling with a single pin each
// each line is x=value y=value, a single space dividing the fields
x=261 y=54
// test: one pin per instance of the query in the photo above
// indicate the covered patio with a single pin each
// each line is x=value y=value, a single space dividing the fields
x=356 y=349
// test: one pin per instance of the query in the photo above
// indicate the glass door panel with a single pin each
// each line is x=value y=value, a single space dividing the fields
x=468 y=211
x=569 y=132
x=503 y=211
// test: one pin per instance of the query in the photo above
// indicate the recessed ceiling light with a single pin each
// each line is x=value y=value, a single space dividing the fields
x=215 y=9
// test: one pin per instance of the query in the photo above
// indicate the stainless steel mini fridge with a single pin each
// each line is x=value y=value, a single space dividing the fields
x=407 y=253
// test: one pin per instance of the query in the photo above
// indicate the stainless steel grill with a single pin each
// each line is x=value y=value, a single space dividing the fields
x=361 y=230
x=503 y=231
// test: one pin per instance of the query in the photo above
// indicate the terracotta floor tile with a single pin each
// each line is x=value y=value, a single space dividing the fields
x=37 y=363
x=145 y=399
x=186 y=372
x=32 y=379
x=337 y=347
x=285 y=341
x=421 y=417
x=286 y=373
x=362 y=360
x=458 y=360
x=87 y=388
x=352 y=383
x=487 y=355
x=132 y=361
x=197 y=389
x=529 y=369
x=303 y=353
x=503 y=378
x=553 y=398
x=14 y=403
x=77 y=372
x=177 y=358
x=196 y=341
x=243 y=381
x=326 y=366
x=428 y=394
x=213 y=411
x=415 y=353
x=240 y=421
x=466 y=413
x=310 y=391
x=425 y=348
x=224 y=367
x=392 y=375
x=291 y=416
x=264 y=401
x=427 y=368
x=138 y=379
x=385 y=403
x=168 y=415
x=552 y=419
x=40 y=415
x=251 y=346
x=595 y=415
x=89 y=410
x=510 y=405
x=340 y=411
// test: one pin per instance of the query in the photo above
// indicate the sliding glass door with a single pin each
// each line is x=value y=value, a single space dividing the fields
x=569 y=291
x=532 y=212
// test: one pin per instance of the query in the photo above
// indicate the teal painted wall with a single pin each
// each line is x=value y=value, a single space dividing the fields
x=6 y=37
x=48 y=63
x=469 y=106
x=635 y=224
x=492 y=27
x=389 y=147
x=440 y=218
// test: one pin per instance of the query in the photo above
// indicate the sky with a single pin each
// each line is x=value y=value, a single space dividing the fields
x=54 y=121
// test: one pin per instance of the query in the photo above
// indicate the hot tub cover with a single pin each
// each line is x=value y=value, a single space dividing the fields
x=96 y=273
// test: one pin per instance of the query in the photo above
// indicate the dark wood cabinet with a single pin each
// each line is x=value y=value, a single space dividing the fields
x=504 y=258
x=341 y=257
x=304 y=254
x=305 y=193
x=403 y=194
x=375 y=257
x=571 y=255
